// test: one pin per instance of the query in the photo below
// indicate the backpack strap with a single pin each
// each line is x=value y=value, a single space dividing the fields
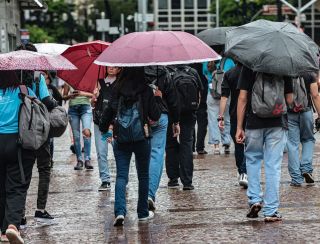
x=222 y=63
x=24 y=90
x=37 y=81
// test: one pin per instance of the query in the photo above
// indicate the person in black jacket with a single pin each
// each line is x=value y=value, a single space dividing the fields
x=132 y=105
x=159 y=78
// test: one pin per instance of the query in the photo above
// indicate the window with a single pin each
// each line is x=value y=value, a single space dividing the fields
x=202 y=3
x=176 y=4
x=188 y=4
x=163 y=4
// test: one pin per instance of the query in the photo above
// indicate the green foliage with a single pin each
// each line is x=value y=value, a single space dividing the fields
x=38 y=35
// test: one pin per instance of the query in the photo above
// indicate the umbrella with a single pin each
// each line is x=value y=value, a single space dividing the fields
x=51 y=48
x=273 y=47
x=156 y=48
x=27 y=60
x=82 y=55
x=214 y=36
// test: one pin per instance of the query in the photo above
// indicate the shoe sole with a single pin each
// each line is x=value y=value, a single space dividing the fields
x=89 y=169
x=104 y=189
x=44 y=222
x=272 y=219
x=174 y=187
x=78 y=168
x=119 y=222
x=254 y=211
x=4 y=240
x=13 y=237
x=308 y=178
x=243 y=183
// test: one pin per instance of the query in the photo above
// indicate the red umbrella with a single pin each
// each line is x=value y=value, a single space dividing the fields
x=156 y=48
x=82 y=55
x=27 y=60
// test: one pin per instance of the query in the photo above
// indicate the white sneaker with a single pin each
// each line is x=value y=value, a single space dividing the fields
x=151 y=215
x=119 y=221
x=243 y=180
x=216 y=150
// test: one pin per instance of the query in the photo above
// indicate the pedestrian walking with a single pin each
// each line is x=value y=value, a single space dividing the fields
x=262 y=100
x=229 y=90
x=300 y=120
x=100 y=101
x=132 y=105
x=159 y=77
x=13 y=191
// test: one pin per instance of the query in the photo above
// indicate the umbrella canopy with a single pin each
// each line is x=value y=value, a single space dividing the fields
x=27 y=60
x=156 y=48
x=51 y=48
x=214 y=36
x=273 y=47
x=82 y=55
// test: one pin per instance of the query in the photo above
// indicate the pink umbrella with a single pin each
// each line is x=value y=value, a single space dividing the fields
x=83 y=55
x=27 y=60
x=156 y=48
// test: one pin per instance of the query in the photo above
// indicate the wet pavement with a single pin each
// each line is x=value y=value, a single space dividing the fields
x=213 y=213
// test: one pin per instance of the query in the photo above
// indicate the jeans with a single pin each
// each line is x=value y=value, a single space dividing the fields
x=202 y=124
x=81 y=113
x=122 y=154
x=238 y=149
x=179 y=156
x=300 y=131
x=265 y=145
x=214 y=132
x=158 y=144
x=102 y=153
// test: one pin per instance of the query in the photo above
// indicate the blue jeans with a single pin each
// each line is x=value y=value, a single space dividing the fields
x=158 y=145
x=102 y=153
x=267 y=145
x=122 y=154
x=76 y=114
x=300 y=131
x=214 y=132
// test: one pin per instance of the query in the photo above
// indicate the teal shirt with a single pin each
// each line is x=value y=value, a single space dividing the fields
x=9 y=110
x=228 y=64
x=43 y=89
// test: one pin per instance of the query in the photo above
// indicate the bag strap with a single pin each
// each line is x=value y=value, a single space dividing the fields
x=24 y=90
x=222 y=63
x=37 y=81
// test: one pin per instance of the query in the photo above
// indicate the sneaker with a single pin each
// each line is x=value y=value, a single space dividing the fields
x=243 y=180
x=188 y=188
x=226 y=149
x=308 y=178
x=295 y=184
x=13 y=235
x=151 y=215
x=216 y=150
x=173 y=183
x=119 y=221
x=275 y=217
x=4 y=238
x=79 y=165
x=72 y=149
x=202 y=152
x=23 y=223
x=254 y=210
x=151 y=204
x=44 y=218
x=105 y=186
x=88 y=165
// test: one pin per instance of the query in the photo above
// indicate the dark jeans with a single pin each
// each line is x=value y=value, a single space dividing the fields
x=179 y=156
x=13 y=192
x=202 y=124
x=238 y=149
x=122 y=154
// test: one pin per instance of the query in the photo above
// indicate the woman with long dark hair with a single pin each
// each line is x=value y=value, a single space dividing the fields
x=13 y=191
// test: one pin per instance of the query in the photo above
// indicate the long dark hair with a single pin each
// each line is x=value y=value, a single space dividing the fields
x=8 y=79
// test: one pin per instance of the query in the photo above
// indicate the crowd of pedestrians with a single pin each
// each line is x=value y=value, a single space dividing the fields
x=152 y=112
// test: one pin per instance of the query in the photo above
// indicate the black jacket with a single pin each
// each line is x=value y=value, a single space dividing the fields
x=160 y=76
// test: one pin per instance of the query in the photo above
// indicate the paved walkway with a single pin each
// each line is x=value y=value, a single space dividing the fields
x=213 y=213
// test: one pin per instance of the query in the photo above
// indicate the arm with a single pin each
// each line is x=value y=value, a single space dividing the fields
x=223 y=104
x=56 y=95
x=241 y=110
x=66 y=96
x=315 y=96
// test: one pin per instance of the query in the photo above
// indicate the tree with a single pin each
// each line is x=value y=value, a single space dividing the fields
x=38 y=35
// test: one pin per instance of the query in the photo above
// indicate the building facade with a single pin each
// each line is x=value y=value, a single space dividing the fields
x=191 y=16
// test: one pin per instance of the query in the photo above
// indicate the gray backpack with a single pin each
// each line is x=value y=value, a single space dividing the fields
x=58 y=121
x=300 y=96
x=268 y=100
x=217 y=80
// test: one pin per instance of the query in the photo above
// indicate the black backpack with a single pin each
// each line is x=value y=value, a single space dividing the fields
x=187 y=87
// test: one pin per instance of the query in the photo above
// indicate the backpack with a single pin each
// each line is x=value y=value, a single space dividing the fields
x=267 y=100
x=34 y=122
x=58 y=118
x=217 y=80
x=300 y=96
x=187 y=88
x=129 y=126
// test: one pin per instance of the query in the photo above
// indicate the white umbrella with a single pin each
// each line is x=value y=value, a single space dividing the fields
x=51 y=48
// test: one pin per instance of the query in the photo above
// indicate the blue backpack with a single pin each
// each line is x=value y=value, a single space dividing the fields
x=129 y=125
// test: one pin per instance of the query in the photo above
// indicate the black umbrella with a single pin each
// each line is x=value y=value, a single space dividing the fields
x=214 y=36
x=273 y=47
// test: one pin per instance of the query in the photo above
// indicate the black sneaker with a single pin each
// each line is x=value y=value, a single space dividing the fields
x=23 y=223
x=275 y=217
x=151 y=204
x=295 y=184
x=88 y=165
x=308 y=178
x=254 y=210
x=226 y=149
x=79 y=165
x=202 y=152
x=119 y=221
x=44 y=218
x=173 y=183
x=72 y=149
x=188 y=188
x=105 y=186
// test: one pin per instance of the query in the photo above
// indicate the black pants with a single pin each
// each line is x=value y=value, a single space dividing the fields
x=202 y=124
x=238 y=149
x=13 y=192
x=179 y=156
